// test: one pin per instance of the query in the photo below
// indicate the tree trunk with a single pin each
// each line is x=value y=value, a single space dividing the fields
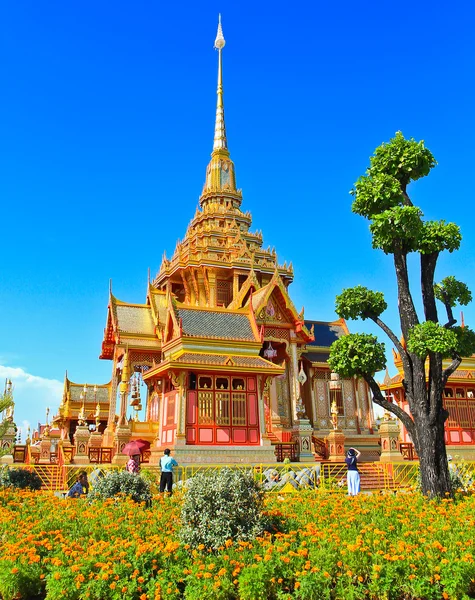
x=430 y=446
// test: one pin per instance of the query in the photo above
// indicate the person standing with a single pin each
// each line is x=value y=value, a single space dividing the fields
x=353 y=475
x=166 y=465
x=133 y=464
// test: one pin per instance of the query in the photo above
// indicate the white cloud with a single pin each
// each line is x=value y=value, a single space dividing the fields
x=32 y=395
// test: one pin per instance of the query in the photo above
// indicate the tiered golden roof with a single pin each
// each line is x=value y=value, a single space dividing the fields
x=218 y=237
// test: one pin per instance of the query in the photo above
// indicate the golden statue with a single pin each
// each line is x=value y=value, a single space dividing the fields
x=334 y=415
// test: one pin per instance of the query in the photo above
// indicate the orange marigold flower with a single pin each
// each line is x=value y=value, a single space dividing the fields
x=14 y=570
x=56 y=575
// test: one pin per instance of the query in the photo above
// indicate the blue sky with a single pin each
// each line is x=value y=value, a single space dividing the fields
x=106 y=126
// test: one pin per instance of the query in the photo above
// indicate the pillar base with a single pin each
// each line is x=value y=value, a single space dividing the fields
x=389 y=433
x=336 y=445
x=302 y=433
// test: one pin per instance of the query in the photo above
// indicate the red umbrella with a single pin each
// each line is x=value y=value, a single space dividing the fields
x=135 y=447
x=143 y=444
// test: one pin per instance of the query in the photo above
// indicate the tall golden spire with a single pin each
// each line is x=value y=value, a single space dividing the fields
x=220 y=177
x=220 y=142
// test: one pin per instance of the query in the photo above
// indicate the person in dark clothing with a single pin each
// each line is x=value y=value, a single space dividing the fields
x=353 y=476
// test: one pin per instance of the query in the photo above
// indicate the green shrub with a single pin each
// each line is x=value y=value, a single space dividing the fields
x=19 y=478
x=117 y=483
x=224 y=505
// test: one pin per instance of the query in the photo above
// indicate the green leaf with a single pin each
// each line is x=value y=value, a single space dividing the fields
x=398 y=228
x=431 y=337
x=360 y=302
x=405 y=160
x=439 y=235
x=375 y=194
x=465 y=341
x=452 y=291
x=357 y=354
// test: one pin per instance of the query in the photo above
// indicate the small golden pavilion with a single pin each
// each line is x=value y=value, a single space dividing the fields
x=230 y=367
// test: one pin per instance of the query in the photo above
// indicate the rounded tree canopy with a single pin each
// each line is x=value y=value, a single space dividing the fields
x=357 y=354
x=451 y=291
x=406 y=160
x=431 y=337
x=360 y=302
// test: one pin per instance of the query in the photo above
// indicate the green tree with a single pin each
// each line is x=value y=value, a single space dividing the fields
x=397 y=228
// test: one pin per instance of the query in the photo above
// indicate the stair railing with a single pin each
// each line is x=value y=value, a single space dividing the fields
x=320 y=447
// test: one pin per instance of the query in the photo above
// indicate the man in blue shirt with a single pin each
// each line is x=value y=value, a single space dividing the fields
x=166 y=465
x=81 y=487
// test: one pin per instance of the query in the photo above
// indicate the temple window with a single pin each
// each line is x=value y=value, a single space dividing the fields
x=222 y=383
x=222 y=408
x=205 y=408
x=448 y=393
x=205 y=382
x=471 y=393
x=239 y=408
x=459 y=393
x=238 y=383
x=337 y=395
x=223 y=292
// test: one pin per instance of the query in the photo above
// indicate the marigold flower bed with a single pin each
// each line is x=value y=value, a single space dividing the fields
x=377 y=547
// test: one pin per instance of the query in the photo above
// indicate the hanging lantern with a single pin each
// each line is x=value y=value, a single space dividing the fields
x=270 y=352
x=302 y=377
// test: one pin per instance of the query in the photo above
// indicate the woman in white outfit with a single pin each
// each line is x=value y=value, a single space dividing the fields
x=353 y=476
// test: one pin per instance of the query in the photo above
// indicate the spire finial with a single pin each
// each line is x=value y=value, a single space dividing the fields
x=220 y=142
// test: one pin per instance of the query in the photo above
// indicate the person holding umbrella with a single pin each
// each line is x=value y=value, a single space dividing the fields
x=133 y=464
x=134 y=449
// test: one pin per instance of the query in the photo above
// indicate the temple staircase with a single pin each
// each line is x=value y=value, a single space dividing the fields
x=52 y=477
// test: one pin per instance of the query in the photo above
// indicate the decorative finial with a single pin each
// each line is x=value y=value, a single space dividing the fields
x=220 y=142
x=219 y=42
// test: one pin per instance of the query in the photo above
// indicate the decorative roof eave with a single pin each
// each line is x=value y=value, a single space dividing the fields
x=136 y=341
x=69 y=384
x=172 y=324
x=153 y=291
x=110 y=331
x=226 y=365
x=178 y=346
x=276 y=283
x=251 y=282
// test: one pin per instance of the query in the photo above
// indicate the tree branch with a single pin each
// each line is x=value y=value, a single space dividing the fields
x=407 y=200
x=407 y=310
x=392 y=407
x=434 y=386
x=450 y=315
x=406 y=361
x=456 y=361
x=428 y=264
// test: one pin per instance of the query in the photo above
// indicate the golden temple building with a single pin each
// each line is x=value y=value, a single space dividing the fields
x=230 y=367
